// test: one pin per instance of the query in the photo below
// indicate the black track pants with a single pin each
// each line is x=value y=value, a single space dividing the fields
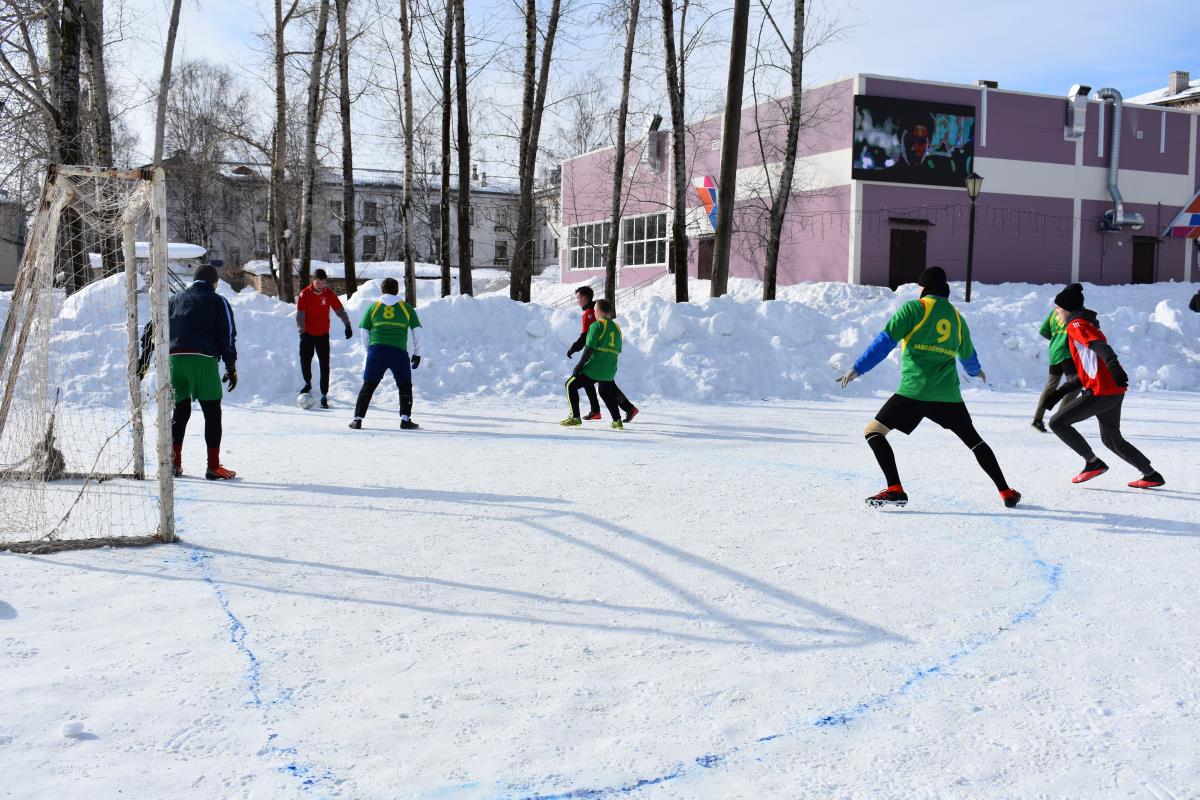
x=1107 y=411
x=319 y=345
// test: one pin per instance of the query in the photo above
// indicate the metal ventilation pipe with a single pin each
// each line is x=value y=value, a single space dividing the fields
x=1077 y=103
x=1116 y=218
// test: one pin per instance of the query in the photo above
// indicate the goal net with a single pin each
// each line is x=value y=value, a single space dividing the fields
x=85 y=441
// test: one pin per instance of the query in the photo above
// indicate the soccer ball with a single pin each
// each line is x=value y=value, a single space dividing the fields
x=305 y=401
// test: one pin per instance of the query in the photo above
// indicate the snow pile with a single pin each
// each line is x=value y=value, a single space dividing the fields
x=730 y=348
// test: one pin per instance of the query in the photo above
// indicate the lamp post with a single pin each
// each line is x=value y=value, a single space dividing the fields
x=974 y=184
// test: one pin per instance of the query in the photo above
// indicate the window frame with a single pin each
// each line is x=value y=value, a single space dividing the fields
x=586 y=243
x=641 y=234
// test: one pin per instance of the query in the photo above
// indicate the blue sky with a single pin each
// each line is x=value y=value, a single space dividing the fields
x=1031 y=46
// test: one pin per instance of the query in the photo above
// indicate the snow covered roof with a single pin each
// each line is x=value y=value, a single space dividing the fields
x=363 y=270
x=390 y=178
x=176 y=251
x=1163 y=96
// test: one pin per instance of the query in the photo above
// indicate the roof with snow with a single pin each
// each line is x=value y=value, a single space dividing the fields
x=176 y=251
x=390 y=178
x=1164 y=97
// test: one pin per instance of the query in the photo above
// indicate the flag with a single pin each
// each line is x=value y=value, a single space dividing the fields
x=706 y=189
x=1186 y=224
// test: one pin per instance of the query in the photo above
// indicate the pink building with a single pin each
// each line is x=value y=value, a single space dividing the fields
x=878 y=192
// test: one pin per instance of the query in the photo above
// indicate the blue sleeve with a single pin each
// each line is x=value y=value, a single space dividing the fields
x=971 y=365
x=876 y=352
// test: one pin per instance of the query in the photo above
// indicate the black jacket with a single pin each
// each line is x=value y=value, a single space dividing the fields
x=1195 y=304
x=199 y=321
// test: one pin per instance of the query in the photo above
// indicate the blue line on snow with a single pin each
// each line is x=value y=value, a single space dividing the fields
x=237 y=630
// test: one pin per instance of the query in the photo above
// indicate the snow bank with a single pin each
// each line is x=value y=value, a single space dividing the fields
x=724 y=349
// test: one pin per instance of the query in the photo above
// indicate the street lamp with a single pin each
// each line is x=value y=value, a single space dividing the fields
x=974 y=184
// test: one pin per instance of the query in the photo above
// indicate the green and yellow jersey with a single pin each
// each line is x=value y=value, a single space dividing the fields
x=933 y=335
x=390 y=324
x=604 y=337
x=1054 y=330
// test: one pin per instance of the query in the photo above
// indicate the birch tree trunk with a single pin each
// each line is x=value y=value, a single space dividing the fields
x=348 y=232
x=447 y=105
x=410 y=278
x=783 y=192
x=312 y=123
x=678 y=255
x=614 y=236
x=465 y=285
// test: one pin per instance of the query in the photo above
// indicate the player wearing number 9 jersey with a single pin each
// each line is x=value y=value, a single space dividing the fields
x=933 y=336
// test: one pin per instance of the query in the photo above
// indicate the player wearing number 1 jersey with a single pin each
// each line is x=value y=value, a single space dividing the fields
x=389 y=323
x=933 y=335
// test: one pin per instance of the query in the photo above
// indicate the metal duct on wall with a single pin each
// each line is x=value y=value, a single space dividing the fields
x=1077 y=103
x=1116 y=218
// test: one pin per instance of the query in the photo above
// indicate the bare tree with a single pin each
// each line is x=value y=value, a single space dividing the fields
x=164 y=81
x=783 y=191
x=465 y=285
x=280 y=235
x=610 y=262
x=678 y=249
x=348 y=231
x=447 y=104
x=534 y=103
x=410 y=280
x=312 y=123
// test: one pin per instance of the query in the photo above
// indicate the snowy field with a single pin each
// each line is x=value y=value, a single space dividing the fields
x=699 y=606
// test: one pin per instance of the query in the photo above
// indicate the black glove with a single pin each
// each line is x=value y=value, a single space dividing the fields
x=416 y=361
x=1119 y=374
x=349 y=332
x=303 y=335
x=230 y=378
x=572 y=350
x=143 y=365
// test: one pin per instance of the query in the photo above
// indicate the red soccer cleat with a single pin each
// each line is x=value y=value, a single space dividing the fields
x=633 y=412
x=1010 y=497
x=219 y=473
x=593 y=415
x=1092 y=469
x=1151 y=481
x=891 y=496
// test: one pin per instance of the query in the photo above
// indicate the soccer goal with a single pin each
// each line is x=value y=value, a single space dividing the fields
x=76 y=420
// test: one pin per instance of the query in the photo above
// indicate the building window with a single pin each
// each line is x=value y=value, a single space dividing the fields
x=235 y=255
x=587 y=243
x=555 y=248
x=645 y=240
x=435 y=216
x=335 y=244
x=368 y=246
x=502 y=252
x=471 y=248
x=370 y=212
x=335 y=209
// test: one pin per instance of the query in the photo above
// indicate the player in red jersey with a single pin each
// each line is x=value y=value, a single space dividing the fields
x=1103 y=381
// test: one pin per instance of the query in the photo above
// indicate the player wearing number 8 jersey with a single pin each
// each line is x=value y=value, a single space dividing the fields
x=933 y=336
x=389 y=323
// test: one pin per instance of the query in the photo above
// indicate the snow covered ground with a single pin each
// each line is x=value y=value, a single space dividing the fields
x=697 y=607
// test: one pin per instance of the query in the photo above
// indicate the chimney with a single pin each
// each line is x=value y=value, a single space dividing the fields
x=1179 y=82
x=474 y=173
x=483 y=179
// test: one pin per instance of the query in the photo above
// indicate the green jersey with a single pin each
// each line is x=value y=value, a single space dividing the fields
x=390 y=324
x=604 y=337
x=1054 y=330
x=933 y=334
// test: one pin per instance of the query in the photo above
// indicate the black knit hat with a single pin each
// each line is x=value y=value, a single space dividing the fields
x=207 y=273
x=1070 y=298
x=932 y=276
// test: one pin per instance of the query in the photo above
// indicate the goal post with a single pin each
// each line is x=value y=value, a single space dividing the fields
x=73 y=427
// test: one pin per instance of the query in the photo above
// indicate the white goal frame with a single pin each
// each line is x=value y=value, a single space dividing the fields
x=35 y=281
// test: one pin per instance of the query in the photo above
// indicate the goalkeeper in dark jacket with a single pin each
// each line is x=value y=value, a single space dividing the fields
x=202 y=333
x=1103 y=381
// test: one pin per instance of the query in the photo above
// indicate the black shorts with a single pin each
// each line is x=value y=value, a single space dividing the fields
x=1065 y=367
x=904 y=414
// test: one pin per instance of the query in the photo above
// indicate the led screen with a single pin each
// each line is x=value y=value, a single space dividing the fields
x=909 y=141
